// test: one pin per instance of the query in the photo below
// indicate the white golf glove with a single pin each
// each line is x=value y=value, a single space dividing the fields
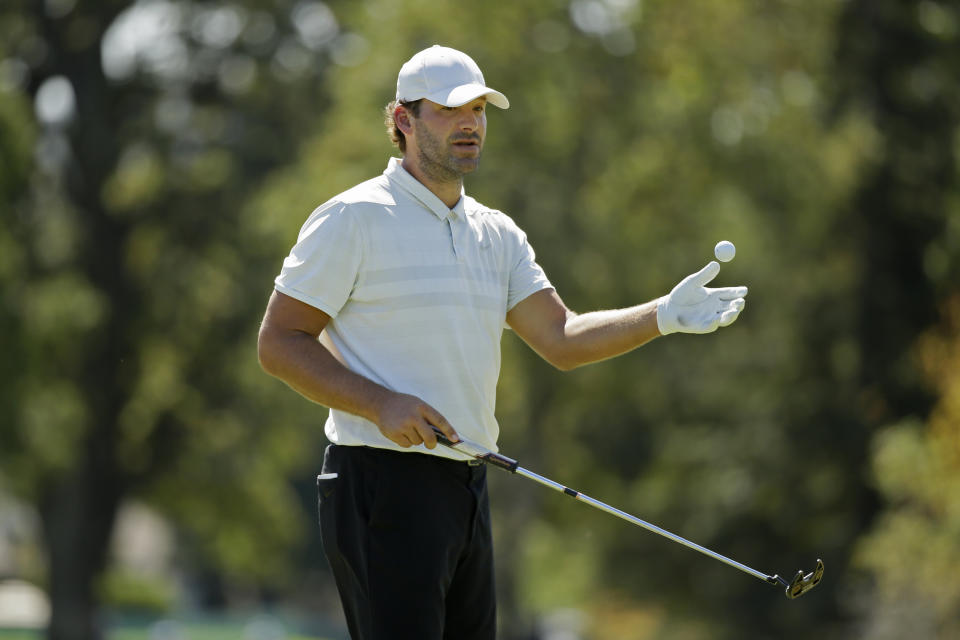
x=692 y=308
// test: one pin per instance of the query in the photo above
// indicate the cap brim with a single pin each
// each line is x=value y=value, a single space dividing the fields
x=467 y=92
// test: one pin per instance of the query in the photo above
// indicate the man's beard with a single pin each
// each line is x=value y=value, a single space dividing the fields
x=438 y=163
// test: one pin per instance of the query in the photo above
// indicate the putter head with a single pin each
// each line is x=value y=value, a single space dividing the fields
x=802 y=583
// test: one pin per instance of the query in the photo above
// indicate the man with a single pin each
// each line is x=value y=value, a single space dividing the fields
x=389 y=310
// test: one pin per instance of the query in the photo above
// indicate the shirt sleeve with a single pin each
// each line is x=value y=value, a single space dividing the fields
x=321 y=269
x=526 y=276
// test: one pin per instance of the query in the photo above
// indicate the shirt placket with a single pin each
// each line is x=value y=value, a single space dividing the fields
x=454 y=227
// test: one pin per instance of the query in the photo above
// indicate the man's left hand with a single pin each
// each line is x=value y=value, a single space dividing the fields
x=693 y=308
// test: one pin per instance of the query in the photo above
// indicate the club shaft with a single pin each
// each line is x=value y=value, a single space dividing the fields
x=547 y=482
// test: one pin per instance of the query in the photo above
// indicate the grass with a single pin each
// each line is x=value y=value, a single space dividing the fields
x=199 y=626
x=190 y=632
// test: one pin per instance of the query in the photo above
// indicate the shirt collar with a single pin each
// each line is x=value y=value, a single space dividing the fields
x=402 y=178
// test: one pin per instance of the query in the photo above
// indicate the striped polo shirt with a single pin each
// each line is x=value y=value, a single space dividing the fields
x=417 y=294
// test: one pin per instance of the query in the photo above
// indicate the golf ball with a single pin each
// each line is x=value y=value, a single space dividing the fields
x=724 y=251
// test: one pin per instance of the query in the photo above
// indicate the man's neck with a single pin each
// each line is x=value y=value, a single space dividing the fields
x=449 y=191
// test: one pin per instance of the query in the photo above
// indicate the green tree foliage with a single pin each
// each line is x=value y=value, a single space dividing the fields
x=131 y=137
x=898 y=65
x=912 y=551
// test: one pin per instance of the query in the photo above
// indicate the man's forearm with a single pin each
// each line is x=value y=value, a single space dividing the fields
x=598 y=335
x=567 y=340
x=289 y=349
x=309 y=368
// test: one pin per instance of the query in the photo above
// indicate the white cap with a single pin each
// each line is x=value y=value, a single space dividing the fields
x=445 y=76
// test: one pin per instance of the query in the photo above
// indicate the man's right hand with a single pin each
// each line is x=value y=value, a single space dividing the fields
x=409 y=421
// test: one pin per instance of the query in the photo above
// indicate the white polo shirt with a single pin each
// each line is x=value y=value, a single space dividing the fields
x=417 y=294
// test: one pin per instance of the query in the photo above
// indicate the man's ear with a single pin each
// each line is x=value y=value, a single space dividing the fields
x=402 y=119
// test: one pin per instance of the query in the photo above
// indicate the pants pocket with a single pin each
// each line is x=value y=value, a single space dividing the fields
x=326 y=483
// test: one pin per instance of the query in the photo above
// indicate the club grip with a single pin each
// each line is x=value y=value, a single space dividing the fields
x=499 y=460
x=479 y=452
x=444 y=440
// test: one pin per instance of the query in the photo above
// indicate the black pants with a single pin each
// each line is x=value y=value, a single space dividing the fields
x=408 y=539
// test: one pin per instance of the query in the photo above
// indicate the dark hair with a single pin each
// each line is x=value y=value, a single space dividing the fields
x=396 y=136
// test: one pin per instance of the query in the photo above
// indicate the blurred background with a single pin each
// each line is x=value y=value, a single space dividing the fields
x=157 y=159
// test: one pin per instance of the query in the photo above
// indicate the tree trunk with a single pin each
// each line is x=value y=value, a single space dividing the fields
x=78 y=508
x=78 y=516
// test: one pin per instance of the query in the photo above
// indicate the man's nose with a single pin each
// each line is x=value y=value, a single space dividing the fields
x=470 y=121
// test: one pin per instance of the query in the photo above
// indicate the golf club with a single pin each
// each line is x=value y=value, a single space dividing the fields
x=799 y=585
